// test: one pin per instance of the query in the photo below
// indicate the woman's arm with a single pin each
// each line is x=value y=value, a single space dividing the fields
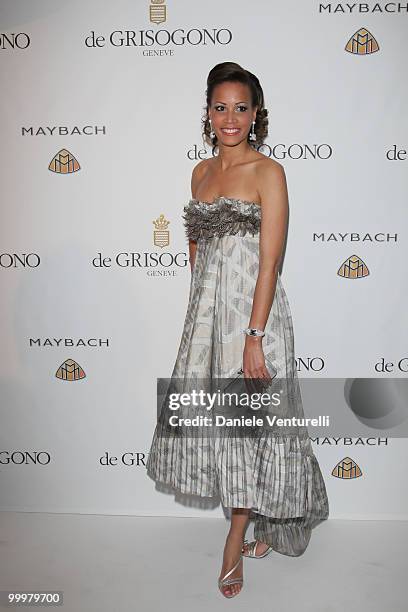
x=196 y=177
x=192 y=247
x=274 y=197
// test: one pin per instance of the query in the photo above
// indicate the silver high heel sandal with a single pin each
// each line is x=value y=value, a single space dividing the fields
x=251 y=547
x=225 y=581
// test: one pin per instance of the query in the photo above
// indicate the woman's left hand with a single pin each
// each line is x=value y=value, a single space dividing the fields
x=253 y=363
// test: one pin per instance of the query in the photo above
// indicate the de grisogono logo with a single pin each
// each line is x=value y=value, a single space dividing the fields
x=384 y=366
x=309 y=364
x=127 y=458
x=12 y=41
x=156 y=264
x=157 y=11
x=161 y=235
x=19 y=260
x=24 y=457
x=295 y=151
x=162 y=38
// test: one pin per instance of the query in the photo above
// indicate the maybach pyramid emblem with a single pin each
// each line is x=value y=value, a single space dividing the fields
x=64 y=163
x=70 y=370
x=353 y=267
x=347 y=469
x=362 y=43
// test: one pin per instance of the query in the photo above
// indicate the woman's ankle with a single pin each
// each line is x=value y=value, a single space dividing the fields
x=236 y=535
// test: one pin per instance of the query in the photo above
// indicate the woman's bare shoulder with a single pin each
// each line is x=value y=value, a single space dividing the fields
x=268 y=165
x=271 y=180
x=269 y=170
x=202 y=166
x=199 y=171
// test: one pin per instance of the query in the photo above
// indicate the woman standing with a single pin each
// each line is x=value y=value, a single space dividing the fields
x=238 y=316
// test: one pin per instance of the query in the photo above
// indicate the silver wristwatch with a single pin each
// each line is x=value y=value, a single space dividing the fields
x=252 y=331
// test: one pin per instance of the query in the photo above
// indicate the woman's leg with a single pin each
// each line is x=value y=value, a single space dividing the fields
x=233 y=547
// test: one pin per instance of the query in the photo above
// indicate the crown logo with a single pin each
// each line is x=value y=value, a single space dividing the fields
x=161 y=235
x=157 y=11
x=353 y=267
x=64 y=163
x=70 y=370
x=362 y=43
x=347 y=469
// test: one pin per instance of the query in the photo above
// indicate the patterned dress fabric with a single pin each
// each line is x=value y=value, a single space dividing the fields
x=274 y=474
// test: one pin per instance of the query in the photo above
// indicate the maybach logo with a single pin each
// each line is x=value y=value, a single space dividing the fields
x=363 y=7
x=353 y=267
x=70 y=370
x=63 y=130
x=64 y=163
x=354 y=237
x=346 y=469
x=350 y=441
x=362 y=43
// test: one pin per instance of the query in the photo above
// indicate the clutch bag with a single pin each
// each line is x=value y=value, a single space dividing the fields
x=256 y=384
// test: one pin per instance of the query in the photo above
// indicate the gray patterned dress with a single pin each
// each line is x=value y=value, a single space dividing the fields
x=276 y=475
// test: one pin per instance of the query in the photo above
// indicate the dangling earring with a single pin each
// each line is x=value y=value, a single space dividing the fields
x=252 y=135
x=212 y=133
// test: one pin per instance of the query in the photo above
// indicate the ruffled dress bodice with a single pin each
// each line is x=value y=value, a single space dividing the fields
x=225 y=216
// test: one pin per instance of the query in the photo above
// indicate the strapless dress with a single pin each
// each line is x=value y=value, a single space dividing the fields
x=277 y=476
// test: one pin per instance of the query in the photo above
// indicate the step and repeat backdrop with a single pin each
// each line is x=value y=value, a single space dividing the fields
x=101 y=112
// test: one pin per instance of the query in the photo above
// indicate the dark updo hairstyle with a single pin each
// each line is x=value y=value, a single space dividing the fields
x=230 y=71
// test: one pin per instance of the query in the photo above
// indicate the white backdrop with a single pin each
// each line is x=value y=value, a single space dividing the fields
x=130 y=115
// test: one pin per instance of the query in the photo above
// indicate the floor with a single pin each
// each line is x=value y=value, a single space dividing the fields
x=124 y=563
